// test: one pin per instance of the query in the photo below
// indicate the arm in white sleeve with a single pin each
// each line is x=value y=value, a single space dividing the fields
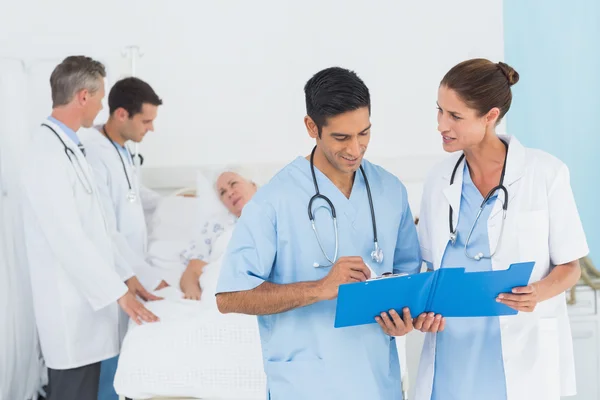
x=123 y=260
x=128 y=261
x=567 y=239
x=50 y=194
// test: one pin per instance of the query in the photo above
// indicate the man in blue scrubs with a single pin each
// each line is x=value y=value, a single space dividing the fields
x=276 y=268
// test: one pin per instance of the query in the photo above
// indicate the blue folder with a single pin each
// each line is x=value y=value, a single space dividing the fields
x=451 y=292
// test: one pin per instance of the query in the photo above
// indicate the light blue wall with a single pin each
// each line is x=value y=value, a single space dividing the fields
x=555 y=47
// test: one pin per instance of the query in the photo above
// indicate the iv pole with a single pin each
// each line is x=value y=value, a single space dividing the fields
x=133 y=53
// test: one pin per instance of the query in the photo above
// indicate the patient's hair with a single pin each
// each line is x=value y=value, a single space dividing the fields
x=131 y=94
x=482 y=84
x=73 y=74
x=334 y=91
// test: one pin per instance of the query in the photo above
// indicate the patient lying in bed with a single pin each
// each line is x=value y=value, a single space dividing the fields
x=234 y=192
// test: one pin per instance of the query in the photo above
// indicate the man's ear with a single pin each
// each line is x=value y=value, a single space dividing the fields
x=311 y=127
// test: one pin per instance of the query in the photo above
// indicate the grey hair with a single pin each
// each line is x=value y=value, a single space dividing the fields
x=232 y=169
x=75 y=73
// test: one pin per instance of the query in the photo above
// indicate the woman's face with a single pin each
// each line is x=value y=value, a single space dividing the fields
x=461 y=127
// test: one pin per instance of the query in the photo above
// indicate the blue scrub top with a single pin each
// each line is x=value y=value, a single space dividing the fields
x=305 y=357
x=468 y=355
x=125 y=154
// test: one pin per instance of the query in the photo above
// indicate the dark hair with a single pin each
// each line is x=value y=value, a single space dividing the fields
x=73 y=74
x=482 y=84
x=334 y=91
x=131 y=94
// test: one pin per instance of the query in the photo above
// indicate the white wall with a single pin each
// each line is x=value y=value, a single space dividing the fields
x=231 y=73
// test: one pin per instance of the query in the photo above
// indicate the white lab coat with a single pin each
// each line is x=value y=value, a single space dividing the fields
x=542 y=225
x=76 y=274
x=132 y=236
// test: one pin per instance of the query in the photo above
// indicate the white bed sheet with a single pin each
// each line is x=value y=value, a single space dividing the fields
x=194 y=351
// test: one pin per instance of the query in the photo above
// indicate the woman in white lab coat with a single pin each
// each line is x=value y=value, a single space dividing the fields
x=527 y=356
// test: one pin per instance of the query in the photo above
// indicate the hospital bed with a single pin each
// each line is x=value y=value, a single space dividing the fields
x=194 y=351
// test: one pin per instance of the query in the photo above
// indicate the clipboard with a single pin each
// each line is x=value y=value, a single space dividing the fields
x=451 y=292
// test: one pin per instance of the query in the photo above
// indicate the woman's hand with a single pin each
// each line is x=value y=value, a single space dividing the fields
x=430 y=323
x=524 y=298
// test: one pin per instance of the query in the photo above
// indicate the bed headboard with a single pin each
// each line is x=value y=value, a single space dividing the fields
x=412 y=170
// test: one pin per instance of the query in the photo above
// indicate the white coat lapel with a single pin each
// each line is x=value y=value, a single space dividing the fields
x=452 y=193
x=80 y=161
x=515 y=168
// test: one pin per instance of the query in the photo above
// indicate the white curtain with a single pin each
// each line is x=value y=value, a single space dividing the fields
x=22 y=373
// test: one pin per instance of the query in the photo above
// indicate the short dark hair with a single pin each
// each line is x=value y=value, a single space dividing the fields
x=131 y=94
x=482 y=84
x=334 y=91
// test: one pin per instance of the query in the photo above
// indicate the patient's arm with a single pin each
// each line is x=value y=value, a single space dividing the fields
x=270 y=298
x=190 y=280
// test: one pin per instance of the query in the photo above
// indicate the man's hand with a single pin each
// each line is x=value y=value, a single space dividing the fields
x=523 y=298
x=393 y=325
x=136 y=310
x=136 y=288
x=345 y=270
x=162 y=285
x=429 y=322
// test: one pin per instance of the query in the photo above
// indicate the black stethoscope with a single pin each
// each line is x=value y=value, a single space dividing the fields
x=85 y=182
x=376 y=254
x=131 y=195
x=501 y=187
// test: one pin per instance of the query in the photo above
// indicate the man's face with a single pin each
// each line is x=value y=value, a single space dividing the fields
x=136 y=127
x=344 y=139
x=235 y=191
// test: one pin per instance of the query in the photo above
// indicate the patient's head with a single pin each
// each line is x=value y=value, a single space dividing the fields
x=235 y=191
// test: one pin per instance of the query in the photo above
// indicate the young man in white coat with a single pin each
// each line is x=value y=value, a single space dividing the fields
x=133 y=106
x=79 y=279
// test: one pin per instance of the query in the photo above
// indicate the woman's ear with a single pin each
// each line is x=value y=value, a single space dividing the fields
x=492 y=116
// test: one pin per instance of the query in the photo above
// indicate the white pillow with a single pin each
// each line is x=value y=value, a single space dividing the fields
x=208 y=199
x=176 y=218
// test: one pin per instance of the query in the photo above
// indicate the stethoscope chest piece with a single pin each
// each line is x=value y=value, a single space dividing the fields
x=377 y=254
x=131 y=196
x=453 y=238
